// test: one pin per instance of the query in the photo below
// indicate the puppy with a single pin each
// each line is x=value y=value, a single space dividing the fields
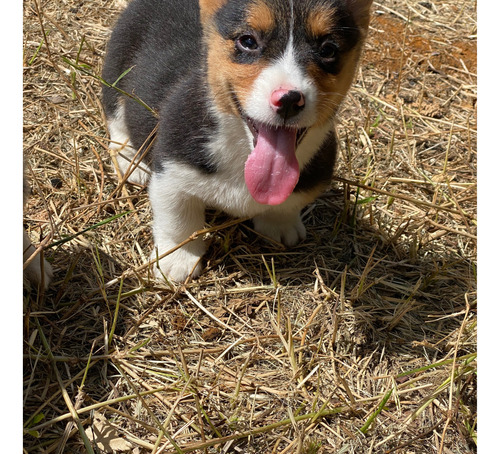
x=243 y=94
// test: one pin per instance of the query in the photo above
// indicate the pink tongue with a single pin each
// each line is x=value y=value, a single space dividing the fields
x=272 y=170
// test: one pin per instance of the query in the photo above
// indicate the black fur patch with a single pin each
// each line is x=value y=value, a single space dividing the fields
x=162 y=44
x=184 y=133
x=318 y=170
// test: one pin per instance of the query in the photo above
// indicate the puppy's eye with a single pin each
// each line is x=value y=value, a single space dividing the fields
x=247 y=43
x=328 y=50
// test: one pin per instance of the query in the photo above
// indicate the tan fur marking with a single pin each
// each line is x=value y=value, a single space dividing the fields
x=333 y=88
x=209 y=7
x=260 y=17
x=321 y=22
x=224 y=74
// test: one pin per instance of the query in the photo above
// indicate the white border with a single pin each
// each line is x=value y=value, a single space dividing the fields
x=488 y=225
x=11 y=380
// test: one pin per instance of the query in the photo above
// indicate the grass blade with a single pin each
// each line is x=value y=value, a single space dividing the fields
x=370 y=420
x=92 y=227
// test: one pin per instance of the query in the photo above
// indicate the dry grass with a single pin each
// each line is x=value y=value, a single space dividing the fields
x=360 y=340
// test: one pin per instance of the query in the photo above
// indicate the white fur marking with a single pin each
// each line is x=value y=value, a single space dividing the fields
x=125 y=153
x=176 y=215
x=284 y=73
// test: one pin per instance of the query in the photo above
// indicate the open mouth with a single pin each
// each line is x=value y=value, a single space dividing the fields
x=252 y=125
x=272 y=169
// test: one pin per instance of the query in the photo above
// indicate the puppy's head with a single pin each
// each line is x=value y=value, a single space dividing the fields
x=283 y=66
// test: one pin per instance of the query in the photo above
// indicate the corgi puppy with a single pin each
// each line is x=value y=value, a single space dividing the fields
x=234 y=102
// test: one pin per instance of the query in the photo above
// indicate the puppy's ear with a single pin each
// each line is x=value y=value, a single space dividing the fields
x=361 y=10
x=208 y=8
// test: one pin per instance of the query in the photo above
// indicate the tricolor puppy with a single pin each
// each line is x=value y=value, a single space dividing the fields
x=246 y=92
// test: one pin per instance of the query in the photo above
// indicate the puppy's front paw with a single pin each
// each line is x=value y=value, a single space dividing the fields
x=34 y=274
x=38 y=271
x=180 y=264
x=286 y=230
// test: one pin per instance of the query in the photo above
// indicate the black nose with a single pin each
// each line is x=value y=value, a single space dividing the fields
x=292 y=102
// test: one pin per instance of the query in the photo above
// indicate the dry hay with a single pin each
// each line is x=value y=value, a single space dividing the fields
x=360 y=339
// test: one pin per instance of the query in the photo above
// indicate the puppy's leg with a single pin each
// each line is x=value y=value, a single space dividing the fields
x=284 y=226
x=125 y=158
x=176 y=215
x=38 y=271
x=126 y=154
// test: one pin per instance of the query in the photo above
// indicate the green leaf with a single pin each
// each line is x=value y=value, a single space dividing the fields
x=37 y=419
x=366 y=200
x=33 y=433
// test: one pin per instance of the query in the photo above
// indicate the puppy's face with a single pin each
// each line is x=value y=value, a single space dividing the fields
x=284 y=66
x=261 y=49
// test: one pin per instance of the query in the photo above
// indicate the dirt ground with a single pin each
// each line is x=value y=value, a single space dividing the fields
x=361 y=339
